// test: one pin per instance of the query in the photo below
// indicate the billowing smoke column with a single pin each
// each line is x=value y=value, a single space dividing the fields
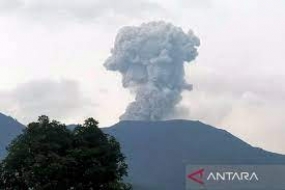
x=151 y=60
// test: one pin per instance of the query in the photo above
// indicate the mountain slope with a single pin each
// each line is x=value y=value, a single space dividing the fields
x=9 y=129
x=157 y=152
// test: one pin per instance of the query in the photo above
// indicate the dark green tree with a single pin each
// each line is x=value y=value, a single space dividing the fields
x=48 y=156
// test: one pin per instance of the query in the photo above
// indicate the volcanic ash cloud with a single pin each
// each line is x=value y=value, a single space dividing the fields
x=151 y=60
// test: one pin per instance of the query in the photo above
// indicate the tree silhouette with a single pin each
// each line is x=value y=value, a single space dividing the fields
x=48 y=156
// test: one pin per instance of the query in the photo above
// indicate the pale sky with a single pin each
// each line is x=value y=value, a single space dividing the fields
x=52 y=55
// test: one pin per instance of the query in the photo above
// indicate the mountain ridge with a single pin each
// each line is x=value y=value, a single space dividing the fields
x=10 y=128
x=158 y=152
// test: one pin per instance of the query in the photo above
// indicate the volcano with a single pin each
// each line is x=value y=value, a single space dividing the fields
x=158 y=152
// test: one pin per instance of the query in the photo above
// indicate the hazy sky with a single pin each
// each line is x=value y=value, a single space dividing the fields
x=52 y=55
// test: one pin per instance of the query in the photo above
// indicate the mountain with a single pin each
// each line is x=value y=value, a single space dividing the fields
x=158 y=152
x=9 y=128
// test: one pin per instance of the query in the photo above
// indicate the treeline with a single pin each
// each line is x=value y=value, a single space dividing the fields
x=49 y=156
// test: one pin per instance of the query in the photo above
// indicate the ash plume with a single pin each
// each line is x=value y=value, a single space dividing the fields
x=151 y=60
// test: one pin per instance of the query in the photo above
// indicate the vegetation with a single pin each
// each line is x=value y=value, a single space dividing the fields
x=48 y=156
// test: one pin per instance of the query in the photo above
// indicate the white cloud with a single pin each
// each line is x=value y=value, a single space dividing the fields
x=61 y=100
x=80 y=9
x=7 y=5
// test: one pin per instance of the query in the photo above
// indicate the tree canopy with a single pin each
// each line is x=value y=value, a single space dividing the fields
x=48 y=156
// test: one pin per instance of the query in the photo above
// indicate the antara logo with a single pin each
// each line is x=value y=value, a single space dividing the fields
x=198 y=176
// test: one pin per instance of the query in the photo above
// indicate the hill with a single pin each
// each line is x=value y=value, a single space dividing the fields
x=158 y=152
x=9 y=128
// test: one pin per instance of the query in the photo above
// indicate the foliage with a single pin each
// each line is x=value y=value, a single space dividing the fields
x=48 y=156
